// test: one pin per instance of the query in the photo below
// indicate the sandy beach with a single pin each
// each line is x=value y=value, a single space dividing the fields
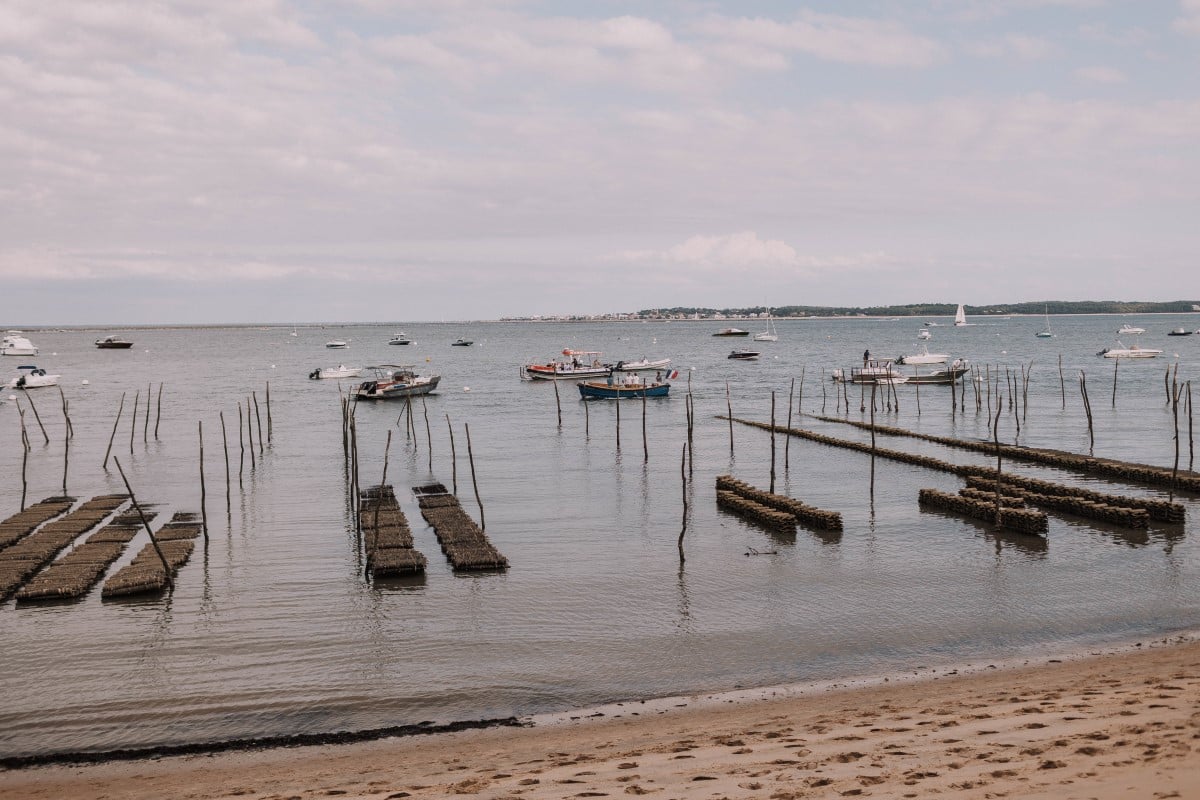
x=1123 y=725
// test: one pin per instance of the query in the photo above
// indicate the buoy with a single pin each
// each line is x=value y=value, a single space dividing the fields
x=272 y=366
x=85 y=383
x=466 y=388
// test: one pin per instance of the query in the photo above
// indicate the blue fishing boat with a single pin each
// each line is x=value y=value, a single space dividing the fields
x=628 y=386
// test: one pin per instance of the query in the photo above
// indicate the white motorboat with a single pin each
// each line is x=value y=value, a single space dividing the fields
x=769 y=335
x=32 y=377
x=960 y=316
x=875 y=370
x=744 y=355
x=1133 y=351
x=642 y=365
x=948 y=374
x=924 y=357
x=924 y=334
x=340 y=371
x=337 y=344
x=731 y=332
x=394 y=381
x=15 y=344
x=399 y=338
x=1128 y=329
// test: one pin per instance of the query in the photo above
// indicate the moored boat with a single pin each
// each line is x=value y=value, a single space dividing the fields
x=1133 y=351
x=873 y=370
x=337 y=344
x=32 y=377
x=1129 y=329
x=956 y=370
x=623 y=387
x=340 y=371
x=770 y=334
x=15 y=343
x=113 y=343
x=1179 y=332
x=394 y=381
x=731 y=332
x=924 y=334
x=744 y=355
x=575 y=364
x=960 y=316
x=642 y=365
x=399 y=338
x=462 y=343
x=924 y=357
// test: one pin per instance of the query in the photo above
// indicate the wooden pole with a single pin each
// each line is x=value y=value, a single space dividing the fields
x=558 y=402
x=587 y=420
x=474 y=482
x=1025 y=391
x=822 y=390
x=225 y=444
x=773 y=440
x=1116 y=361
x=618 y=401
x=800 y=399
x=691 y=425
x=428 y=433
x=66 y=456
x=66 y=412
x=158 y=411
x=1087 y=408
x=1167 y=384
x=729 y=410
x=873 y=386
x=37 y=416
x=203 y=510
x=917 y=386
x=408 y=422
x=133 y=420
x=788 y=439
x=146 y=420
x=241 y=447
x=116 y=422
x=146 y=524
x=996 y=439
x=683 y=483
x=258 y=417
x=1062 y=384
x=383 y=481
x=24 y=458
x=645 y=441
x=1191 y=441
x=250 y=434
x=1174 y=469
x=454 y=456
x=270 y=423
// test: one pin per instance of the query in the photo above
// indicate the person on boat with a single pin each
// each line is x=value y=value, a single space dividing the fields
x=658 y=377
x=866 y=357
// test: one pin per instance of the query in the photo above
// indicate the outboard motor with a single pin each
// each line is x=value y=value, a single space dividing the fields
x=315 y=374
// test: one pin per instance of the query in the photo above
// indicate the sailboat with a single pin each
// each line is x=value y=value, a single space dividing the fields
x=769 y=335
x=1046 y=334
x=960 y=316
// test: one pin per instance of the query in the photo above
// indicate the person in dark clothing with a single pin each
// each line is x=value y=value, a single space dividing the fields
x=866 y=357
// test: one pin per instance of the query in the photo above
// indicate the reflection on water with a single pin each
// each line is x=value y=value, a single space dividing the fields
x=274 y=628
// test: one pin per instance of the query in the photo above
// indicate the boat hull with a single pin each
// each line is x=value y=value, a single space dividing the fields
x=942 y=376
x=744 y=355
x=104 y=345
x=645 y=365
x=540 y=372
x=604 y=391
x=381 y=390
x=732 y=333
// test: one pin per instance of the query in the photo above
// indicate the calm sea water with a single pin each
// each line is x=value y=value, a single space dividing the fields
x=272 y=628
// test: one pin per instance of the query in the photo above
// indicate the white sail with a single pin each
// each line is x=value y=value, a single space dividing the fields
x=960 y=316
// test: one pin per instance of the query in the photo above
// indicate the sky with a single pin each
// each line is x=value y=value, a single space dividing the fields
x=222 y=161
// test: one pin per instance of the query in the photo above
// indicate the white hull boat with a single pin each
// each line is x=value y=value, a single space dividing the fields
x=642 y=365
x=769 y=335
x=576 y=365
x=340 y=371
x=32 y=377
x=1133 y=351
x=924 y=357
x=337 y=344
x=924 y=335
x=1130 y=330
x=394 y=381
x=960 y=316
x=14 y=344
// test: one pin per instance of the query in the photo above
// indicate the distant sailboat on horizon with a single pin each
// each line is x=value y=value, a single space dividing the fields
x=960 y=316
x=769 y=335
x=1046 y=334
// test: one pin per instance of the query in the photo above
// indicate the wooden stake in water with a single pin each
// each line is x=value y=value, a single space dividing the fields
x=1175 y=468
x=225 y=444
x=242 y=447
x=729 y=410
x=250 y=435
x=270 y=424
x=66 y=413
x=66 y=456
x=37 y=416
x=558 y=402
x=116 y=422
x=146 y=525
x=1191 y=442
x=133 y=420
x=454 y=457
x=146 y=420
x=645 y=441
x=203 y=510
x=428 y=432
x=258 y=417
x=683 y=483
x=618 y=401
x=158 y=411
x=788 y=439
x=24 y=459
x=1087 y=408
x=773 y=440
x=822 y=390
x=475 y=483
x=1116 y=361
x=587 y=421
x=996 y=439
x=873 y=386
x=383 y=481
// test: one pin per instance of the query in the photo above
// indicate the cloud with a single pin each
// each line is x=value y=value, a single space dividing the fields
x=1098 y=74
x=1021 y=47
x=1188 y=20
x=746 y=250
x=829 y=37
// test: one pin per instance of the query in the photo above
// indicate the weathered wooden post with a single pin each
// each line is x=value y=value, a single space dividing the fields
x=146 y=525
x=133 y=420
x=258 y=417
x=1191 y=442
x=558 y=402
x=66 y=412
x=66 y=456
x=242 y=445
x=822 y=390
x=788 y=440
x=1116 y=361
x=645 y=441
x=996 y=439
x=1175 y=468
x=225 y=444
x=270 y=424
x=773 y=440
x=116 y=422
x=428 y=432
x=24 y=459
x=587 y=420
x=203 y=510
x=1062 y=384
x=37 y=416
x=618 y=424
x=383 y=481
x=474 y=482
x=158 y=411
x=250 y=435
x=1087 y=408
x=146 y=419
x=683 y=483
x=873 y=386
x=729 y=411
x=453 y=458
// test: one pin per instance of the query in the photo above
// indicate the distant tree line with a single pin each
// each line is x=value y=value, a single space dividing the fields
x=937 y=309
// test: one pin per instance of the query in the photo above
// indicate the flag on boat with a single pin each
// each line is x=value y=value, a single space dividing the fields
x=674 y=374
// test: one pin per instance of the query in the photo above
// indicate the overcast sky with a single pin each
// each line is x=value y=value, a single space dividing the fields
x=283 y=161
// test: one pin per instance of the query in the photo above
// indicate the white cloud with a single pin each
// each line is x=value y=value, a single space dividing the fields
x=1099 y=74
x=745 y=250
x=1021 y=47
x=850 y=40
x=1188 y=20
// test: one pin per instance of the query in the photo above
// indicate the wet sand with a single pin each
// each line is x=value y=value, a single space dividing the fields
x=1123 y=725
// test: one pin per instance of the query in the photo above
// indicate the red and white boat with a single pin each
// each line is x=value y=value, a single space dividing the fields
x=573 y=365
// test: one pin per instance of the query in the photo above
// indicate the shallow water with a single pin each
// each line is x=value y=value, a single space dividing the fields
x=272 y=628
